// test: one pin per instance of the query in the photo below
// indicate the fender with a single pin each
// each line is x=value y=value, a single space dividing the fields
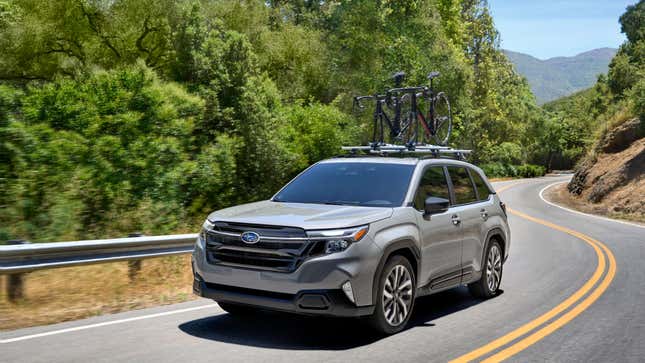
x=387 y=252
x=496 y=231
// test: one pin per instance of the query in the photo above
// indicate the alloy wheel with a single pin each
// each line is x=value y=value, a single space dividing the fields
x=493 y=268
x=397 y=295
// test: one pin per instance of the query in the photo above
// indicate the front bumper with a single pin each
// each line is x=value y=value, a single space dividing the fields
x=307 y=302
x=283 y=291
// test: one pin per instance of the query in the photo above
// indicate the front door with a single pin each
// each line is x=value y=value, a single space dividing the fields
x=441 y=236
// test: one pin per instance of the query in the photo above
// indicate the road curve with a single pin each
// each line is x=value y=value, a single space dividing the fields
x=574 y=290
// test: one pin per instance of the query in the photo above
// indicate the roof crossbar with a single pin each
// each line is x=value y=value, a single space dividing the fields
x=388 y=149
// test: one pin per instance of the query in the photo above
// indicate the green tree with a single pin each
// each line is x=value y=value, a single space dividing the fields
x=140 y=114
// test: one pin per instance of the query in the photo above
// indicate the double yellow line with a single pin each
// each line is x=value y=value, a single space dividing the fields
x=543 y=325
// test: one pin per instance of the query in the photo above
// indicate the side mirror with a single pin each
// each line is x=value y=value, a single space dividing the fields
x=434 y=205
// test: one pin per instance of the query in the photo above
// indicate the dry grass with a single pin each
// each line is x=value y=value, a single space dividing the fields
x=64 y=294
x=560 y=195
x=621 y=116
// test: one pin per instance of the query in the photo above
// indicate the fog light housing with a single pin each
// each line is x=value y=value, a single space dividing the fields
x=347 y=289
x=336 y=245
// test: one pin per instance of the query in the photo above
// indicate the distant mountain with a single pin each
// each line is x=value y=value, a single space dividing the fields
x=561 y=76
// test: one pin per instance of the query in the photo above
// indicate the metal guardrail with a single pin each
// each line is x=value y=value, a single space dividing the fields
x=19 y=258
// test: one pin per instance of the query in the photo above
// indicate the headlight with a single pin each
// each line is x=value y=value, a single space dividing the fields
x=201 y=239
x=337 y=240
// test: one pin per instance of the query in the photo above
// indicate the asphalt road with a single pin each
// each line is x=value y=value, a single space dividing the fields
x=574 y=290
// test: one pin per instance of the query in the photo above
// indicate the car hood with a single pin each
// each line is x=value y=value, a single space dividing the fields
x=307 y=216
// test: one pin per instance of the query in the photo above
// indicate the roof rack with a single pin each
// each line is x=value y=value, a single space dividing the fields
x=421 y=150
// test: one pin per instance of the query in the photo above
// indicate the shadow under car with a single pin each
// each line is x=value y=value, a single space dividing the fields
x=277 y=330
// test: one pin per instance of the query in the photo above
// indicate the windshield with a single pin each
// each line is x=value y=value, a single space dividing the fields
x=361 y=184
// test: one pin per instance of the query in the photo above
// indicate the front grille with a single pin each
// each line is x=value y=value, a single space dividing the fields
x=280 y=249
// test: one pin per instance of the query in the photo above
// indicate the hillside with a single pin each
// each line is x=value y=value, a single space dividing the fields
x=611 y=180
x=610 y=177
x=556 y=77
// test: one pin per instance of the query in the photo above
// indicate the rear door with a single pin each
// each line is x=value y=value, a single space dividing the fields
x=441 y=238
x=473 y=252
x=468 y=208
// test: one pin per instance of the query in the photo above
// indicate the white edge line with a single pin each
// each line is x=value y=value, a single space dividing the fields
x=582 y=213
x=106 y=323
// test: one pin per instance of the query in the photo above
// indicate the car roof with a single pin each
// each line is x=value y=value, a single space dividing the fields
x=373 y=159
x=398 y=160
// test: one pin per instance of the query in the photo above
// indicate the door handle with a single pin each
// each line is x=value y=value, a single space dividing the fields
x=484 y=214
x=456 y=220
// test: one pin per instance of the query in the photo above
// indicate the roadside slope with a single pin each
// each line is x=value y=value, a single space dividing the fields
x=611 y=179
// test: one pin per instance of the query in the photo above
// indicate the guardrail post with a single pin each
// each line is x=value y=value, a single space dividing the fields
x=15 y=285
x=134 y=266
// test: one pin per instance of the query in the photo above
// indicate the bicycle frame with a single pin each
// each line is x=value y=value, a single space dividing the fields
x=380 y=117
x=414 y=93
x=428 y=127
x=431 y=127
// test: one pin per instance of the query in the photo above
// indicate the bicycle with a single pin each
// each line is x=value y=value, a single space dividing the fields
x=436 y=124
x=381 y=117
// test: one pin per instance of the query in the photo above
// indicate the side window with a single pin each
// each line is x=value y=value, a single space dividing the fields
x=482 y=190
x=433 y=184
x=464 y=191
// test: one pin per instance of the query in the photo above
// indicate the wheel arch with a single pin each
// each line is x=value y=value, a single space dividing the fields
x=498 y=235
x=406 y=248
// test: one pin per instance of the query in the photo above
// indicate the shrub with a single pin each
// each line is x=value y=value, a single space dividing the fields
x=500 y=170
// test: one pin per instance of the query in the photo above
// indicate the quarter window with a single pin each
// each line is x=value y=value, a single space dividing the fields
x=462 y=185
x=482 y=189
x=433 y=184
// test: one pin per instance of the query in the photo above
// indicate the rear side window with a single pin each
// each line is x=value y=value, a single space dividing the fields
x=463 y=187
x=433 y=184
x=482 y=189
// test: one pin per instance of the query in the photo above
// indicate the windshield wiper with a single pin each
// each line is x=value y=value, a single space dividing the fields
x=332 y=202
x=340 y=202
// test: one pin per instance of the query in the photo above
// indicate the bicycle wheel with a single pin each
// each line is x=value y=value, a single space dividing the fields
x=409 y=130
x=442 y=119
x=401 y=133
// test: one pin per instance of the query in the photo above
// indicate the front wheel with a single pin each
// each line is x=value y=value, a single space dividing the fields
x=395 y=296
x=488 y=285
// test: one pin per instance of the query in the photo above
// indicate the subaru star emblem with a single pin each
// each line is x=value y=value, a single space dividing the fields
x=250 y=237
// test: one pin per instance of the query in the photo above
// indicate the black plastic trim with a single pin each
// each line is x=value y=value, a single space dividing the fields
x=495 y=232
x=392 y=247
x=305 y=302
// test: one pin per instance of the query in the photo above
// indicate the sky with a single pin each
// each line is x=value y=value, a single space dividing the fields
x=551 y=28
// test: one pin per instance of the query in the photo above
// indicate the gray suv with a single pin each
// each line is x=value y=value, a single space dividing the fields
x=357 y=237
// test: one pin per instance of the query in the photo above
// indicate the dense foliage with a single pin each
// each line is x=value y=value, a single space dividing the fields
x=118 y=116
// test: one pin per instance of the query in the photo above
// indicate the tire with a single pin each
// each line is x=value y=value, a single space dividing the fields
x=408 y=129
x=391 y=316
x=238 y=310
x=488 y=285
x=442 y=119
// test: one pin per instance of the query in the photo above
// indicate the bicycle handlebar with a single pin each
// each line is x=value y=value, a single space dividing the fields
x=418 y=95
x=407 y=90
x=358 y=99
